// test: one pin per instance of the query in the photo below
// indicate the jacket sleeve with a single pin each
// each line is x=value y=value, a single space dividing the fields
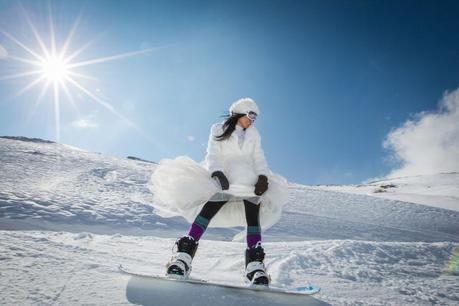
x=213 y=151
x=261 y=166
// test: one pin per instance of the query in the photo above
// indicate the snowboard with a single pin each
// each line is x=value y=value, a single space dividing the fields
x=150 y=289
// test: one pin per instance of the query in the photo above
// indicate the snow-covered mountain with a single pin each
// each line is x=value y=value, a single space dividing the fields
x=68 y=217
x=440 y=190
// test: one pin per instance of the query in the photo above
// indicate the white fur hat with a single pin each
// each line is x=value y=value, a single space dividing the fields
x=244 y=105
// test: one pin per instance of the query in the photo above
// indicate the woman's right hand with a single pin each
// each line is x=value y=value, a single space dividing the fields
x=262 y=185
x=221 y=179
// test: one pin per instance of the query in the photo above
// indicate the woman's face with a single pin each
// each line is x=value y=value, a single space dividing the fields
x=244 y=121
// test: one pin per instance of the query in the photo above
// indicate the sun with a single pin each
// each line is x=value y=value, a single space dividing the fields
x=54 y=66
x=55 y=69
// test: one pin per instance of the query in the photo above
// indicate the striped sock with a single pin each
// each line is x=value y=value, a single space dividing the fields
x=198 y=227
x=253 y=235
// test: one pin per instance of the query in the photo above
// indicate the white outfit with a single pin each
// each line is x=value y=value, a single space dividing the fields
x=240 y=133
x=182 y=186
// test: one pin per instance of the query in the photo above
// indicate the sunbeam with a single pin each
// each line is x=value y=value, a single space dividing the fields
x=110 y=58
x=20 y=75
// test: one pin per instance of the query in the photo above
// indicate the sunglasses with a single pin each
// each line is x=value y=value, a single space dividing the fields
x=251 y=115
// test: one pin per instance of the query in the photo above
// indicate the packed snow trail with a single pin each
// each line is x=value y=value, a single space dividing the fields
x=47 y=268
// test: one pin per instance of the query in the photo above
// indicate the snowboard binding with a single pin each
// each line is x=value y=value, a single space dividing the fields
x=179 y=265
x=255 y=270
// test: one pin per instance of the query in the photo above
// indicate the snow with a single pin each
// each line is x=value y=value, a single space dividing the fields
x=440 y=190
x=69 y=217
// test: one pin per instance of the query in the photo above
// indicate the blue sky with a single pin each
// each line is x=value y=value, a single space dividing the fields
x=332 y=78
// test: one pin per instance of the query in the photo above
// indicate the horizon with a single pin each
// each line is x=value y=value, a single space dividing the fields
x=140 y=158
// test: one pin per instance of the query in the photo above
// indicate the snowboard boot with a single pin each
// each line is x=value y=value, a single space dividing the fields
x=180 y=264
x=255 y=271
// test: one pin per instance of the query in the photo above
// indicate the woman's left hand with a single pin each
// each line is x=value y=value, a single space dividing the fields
x=262 y=185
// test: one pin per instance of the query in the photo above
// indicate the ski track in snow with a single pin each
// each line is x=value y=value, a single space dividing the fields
x=70 y=217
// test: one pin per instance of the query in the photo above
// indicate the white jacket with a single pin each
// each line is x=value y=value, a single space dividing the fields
x=181 y=186
x=241 y=165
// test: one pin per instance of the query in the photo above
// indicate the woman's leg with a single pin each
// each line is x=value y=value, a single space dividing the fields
x=199 y=226
x=255 y=271
x=180 y=263
x=252 y=215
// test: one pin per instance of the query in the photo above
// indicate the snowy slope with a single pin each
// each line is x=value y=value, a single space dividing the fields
x=69 y=217
x=439 y=190
x=53 y=186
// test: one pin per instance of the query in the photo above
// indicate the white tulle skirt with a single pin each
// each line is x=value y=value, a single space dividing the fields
x=182 y=186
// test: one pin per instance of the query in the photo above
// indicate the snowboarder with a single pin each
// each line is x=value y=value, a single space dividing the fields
x=235 y=162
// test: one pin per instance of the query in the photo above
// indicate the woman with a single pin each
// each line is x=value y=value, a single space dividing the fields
x=234 y=181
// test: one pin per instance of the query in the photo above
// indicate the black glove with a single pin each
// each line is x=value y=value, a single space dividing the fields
x=222 y=179
x=262 y=185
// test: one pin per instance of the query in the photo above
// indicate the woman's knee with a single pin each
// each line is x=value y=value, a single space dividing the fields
x=252 y=213
x=210 y=209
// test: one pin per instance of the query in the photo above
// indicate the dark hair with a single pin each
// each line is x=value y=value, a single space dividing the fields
x=229 y=125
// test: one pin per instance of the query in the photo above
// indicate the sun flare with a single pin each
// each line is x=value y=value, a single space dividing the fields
x=55 y=69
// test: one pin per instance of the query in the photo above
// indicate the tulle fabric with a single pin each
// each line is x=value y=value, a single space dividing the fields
x=181 y=186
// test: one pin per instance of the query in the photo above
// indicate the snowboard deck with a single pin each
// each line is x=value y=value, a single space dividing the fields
x=191 y=291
